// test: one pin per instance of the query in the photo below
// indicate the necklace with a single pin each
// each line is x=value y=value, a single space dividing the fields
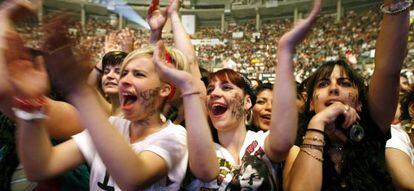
x=335 y=151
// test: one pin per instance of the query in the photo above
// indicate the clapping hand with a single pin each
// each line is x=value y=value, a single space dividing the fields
x=68 y=66
x=180 y=79
x=156 y=18
x=26 y=73
x=290 y=39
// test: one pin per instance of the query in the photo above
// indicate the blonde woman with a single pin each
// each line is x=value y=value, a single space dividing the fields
x=139 y=151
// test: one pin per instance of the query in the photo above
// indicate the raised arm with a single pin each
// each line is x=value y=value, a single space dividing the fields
x=202 y=155
x=29 y=81
x=156 y=19
x=6 y=89
x=131 y=171
x=12 y=52
x=284 y=119
x=181 y=39
x=391 y=49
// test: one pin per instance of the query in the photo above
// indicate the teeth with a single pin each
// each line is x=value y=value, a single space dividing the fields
x=217 y=105
x=127 y=94
x=266 y=116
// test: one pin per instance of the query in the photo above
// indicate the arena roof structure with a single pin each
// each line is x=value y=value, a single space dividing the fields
x=212 y=10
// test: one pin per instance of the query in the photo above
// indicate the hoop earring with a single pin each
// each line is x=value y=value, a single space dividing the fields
x=249 y=117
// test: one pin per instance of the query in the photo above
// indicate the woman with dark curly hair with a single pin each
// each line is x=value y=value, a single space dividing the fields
x=347 y=126
x=399 y=152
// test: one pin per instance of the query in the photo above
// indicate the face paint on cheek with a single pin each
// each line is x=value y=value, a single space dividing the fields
x=353 y=98
x=237 y=104
x=147 y=98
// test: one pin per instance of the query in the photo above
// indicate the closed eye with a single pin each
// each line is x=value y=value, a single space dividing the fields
x=227 y=87
x=138 y=74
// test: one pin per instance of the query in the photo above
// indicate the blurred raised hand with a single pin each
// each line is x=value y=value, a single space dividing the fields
x=68 y=66
x=111 y=43
x=126 y=40
x=25 y=74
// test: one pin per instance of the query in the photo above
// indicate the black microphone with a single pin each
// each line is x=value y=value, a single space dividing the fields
x=356 y=132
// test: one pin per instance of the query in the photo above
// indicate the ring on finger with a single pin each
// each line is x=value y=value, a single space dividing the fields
x=346 y=109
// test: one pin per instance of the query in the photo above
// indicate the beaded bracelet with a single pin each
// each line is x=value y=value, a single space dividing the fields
x=312 y=146
x=314 y=138
x=316 y=130
x=312 y=155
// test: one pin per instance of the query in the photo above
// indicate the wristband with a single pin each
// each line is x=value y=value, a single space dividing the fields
x=29 y=116
x=397 y=7
x=29 y=109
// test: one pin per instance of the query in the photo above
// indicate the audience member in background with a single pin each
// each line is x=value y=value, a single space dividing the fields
x=399 y=152
x=404 y=88
x=335 y=154
x=108 y=78
x=255 y=83
x=262 y=109
x=404 y=84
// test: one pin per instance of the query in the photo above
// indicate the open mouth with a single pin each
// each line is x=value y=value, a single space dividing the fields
x=218 y=109
x=128 y=99
x=266 y=116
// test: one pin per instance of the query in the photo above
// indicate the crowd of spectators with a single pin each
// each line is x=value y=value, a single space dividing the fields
x=245 y=49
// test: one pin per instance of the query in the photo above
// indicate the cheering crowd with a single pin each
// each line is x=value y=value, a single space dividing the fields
x=145 y=115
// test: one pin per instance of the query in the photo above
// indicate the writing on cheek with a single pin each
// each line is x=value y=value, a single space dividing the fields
x=237 y=105
x=147 y=98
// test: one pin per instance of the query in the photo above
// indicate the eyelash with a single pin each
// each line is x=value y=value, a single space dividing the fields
x=344 y=83
x=135 y=73
x=225 y=87
x=322 y=83
x=138 y=74
x=260 y=102
x=107 y=71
